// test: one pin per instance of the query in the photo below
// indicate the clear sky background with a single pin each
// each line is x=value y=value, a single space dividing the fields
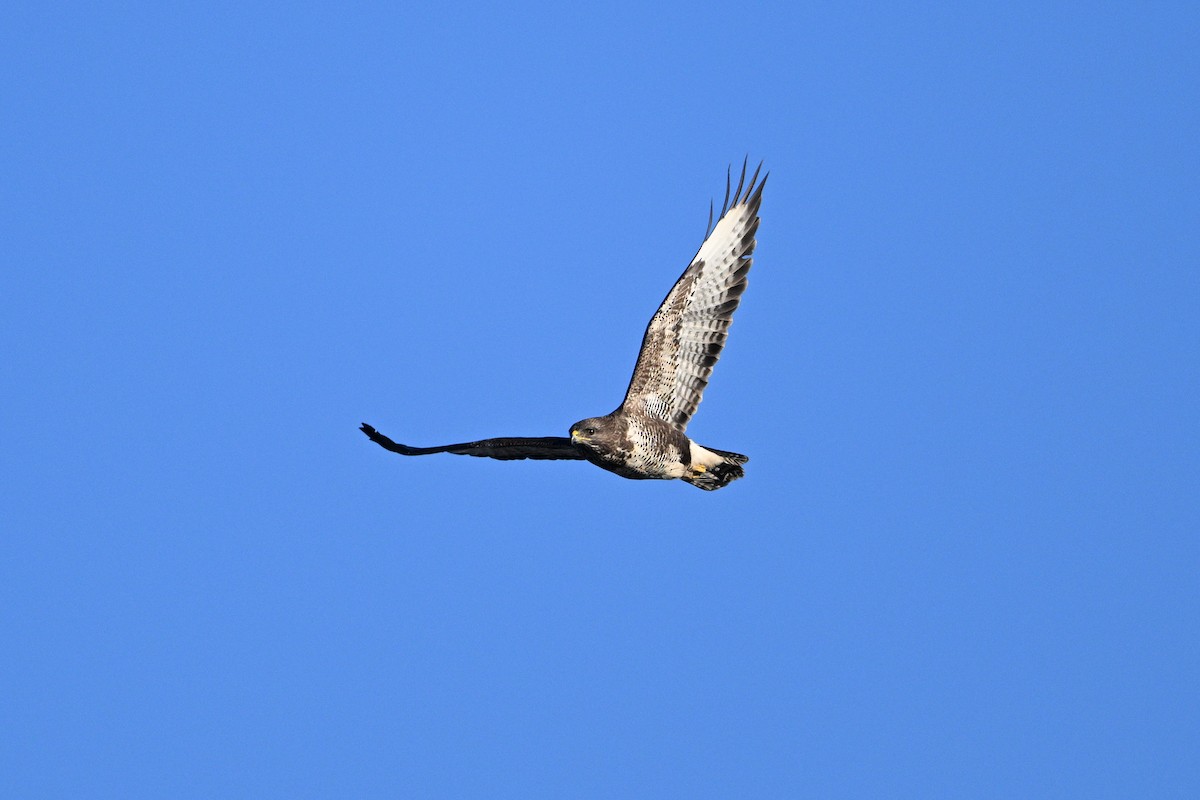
x=964 y=561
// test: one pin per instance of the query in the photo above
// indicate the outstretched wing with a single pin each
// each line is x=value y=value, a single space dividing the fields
x=685 y=337
x=544 y=447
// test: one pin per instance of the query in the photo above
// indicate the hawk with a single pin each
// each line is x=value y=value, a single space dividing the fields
x=646 y=436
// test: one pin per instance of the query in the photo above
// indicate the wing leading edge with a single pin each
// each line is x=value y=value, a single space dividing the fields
x=504 y=449
x=686 y=335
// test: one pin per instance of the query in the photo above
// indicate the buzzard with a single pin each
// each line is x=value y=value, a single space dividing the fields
x=645 y=437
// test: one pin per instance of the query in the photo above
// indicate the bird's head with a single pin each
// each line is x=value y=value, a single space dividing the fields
x=595 y=433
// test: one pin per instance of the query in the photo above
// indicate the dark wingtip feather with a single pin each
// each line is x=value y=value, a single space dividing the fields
x=725 y=203
x=750 y=189
x=761 y=184
x=741 y=180
x=747 y=193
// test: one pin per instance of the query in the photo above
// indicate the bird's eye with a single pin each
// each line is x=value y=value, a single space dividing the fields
x=590 y=431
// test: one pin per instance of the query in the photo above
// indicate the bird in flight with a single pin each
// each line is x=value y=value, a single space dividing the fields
x=645 y=437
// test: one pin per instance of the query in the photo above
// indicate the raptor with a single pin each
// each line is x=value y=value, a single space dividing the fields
x=645 y=437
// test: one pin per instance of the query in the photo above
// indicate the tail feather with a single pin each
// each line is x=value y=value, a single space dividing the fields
x=736 y=458
x=715 y=468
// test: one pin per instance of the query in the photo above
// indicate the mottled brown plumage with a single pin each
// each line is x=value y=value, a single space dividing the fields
x=685 y=337
x=644 y=437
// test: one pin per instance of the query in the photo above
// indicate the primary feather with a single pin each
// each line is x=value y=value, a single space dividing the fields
x=644 y=437
x=686 y=336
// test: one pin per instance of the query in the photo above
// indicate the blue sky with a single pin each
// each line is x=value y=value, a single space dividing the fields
x=964 y=560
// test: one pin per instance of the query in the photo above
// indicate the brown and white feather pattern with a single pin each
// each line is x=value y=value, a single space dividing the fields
x=644 y=438
x=685 y=337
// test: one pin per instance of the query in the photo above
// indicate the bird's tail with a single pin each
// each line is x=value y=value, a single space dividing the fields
x=711 y=468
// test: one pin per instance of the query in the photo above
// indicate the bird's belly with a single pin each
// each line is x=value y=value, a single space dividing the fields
x=639 y=463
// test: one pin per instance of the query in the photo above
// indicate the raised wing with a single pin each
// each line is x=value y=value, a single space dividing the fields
x=685 y=337
x=544 y=447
